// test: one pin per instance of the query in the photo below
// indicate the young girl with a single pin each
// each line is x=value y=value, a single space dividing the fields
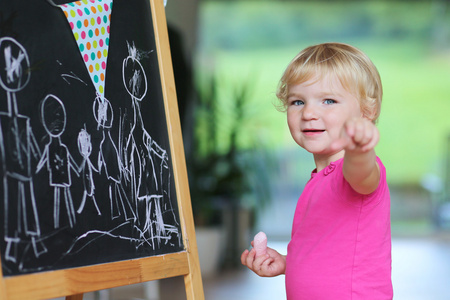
x=340 y=244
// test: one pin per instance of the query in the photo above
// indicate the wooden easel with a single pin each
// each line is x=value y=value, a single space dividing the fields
x=72 y=283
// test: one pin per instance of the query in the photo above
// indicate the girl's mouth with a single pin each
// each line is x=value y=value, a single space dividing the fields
x=312 y=132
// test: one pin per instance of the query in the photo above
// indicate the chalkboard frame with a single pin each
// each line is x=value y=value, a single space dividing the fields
x=73 y=282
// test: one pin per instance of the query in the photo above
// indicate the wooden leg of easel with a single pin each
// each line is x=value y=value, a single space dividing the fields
x=194 y=287
x=2 y=284
x=75 y=297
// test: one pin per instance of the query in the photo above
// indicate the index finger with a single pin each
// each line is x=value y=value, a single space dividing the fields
x=244 y=257
x=250 y=259
x=341 y=143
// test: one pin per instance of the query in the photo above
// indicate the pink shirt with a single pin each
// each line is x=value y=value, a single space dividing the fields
x=340 y=246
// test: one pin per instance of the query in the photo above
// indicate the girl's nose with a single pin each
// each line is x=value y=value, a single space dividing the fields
x=309 y=112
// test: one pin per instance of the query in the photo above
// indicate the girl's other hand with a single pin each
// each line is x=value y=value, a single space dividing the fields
x=268 y=265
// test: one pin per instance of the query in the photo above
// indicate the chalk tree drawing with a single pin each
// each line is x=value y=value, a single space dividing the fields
x=17 y=147
x=86 y=169
x=57 y=157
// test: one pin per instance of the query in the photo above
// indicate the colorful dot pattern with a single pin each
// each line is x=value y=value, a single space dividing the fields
x=89 y=20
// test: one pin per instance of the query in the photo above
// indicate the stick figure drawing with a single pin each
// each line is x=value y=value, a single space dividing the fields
x=109 y=160
x=146 y=160
x=86 y=168
x=135 y=82
x=17 y=147
x=57 y=158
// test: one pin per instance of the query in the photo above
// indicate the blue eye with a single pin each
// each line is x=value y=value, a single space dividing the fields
x=297 y=102
x=329 y=101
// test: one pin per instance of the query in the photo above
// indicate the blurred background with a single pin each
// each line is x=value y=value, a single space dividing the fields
x=245 y=171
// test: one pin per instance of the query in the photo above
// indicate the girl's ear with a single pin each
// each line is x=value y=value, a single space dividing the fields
x=368 y=116
x=369 y=109
x=368 y=113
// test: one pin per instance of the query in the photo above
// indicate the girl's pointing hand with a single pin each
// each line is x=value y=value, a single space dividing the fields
x=358 y=135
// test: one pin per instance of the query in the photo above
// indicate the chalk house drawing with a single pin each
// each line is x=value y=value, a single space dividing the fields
x=57 y=158
x=17 y=147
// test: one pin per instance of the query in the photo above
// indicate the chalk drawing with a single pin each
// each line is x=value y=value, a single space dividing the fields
x=109 y=160
x=57 y=158
x=17 y=147
x=147 y=157
x=86 y=169
x=122 y=174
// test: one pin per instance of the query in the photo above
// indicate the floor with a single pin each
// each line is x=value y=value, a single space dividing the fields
x=421 y=271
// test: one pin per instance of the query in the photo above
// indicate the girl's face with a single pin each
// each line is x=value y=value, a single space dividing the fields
x=316 y=114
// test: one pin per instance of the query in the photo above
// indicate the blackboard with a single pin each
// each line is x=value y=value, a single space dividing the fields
x=87 y=168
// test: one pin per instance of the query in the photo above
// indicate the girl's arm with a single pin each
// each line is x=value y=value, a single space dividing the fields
x=360 y=167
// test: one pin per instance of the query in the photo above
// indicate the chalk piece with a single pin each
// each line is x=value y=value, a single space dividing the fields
x=260 y=244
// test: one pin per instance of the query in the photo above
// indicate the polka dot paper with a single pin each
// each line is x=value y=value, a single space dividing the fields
x=89 y=20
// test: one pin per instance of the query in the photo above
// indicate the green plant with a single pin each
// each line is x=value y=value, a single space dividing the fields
x=221 y=169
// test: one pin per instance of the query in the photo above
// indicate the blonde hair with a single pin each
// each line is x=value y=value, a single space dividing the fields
x=355 y=71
